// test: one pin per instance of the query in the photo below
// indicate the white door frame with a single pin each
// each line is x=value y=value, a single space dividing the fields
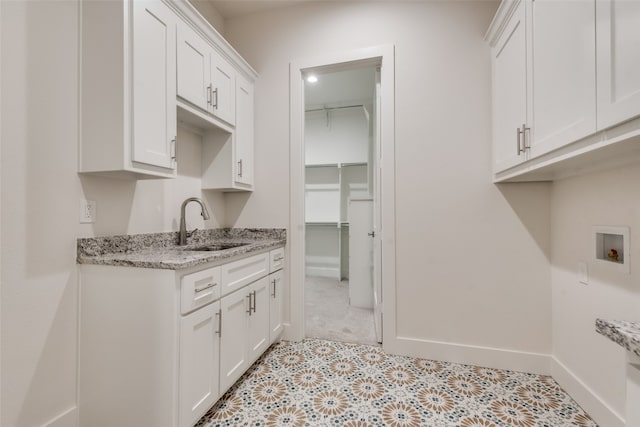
x=383 y=55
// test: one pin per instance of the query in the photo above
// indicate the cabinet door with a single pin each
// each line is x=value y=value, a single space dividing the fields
x=243 y=143
x=199 y=359
x=509 y=91
x=618 y=66
x=154 y=121
x=194 y=67
x=224 y=85
x=233 y=337
x=563 y=90
x=276 y=288
x=259 y=318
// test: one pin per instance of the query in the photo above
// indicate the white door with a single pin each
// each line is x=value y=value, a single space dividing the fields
x=194 y=67
x=618 y=66
x=233 y=337
x=509 y=91
x=361 y=253
x=376 y=215
x=259 y=318
x=154 y=118
x=224 y=87
x=243 y=143
x=275 y=304
x=199 y=358
x=563 y=88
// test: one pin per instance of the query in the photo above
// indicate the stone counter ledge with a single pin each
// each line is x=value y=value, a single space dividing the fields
x=623 y=333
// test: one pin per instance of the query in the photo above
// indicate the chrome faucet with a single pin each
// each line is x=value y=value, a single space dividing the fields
x=182 y=236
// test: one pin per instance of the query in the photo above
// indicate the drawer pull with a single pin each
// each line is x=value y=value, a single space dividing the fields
x=219 y=331
x=204 y=288
x=280 y=258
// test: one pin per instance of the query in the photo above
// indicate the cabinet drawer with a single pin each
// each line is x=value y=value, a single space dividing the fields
x=244 y=271
x=199 y=288
x=276 y=260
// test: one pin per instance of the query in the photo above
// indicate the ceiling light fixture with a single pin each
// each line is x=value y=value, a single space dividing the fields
x=312 y=79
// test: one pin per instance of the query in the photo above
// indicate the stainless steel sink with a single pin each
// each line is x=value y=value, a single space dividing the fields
x=215 y=247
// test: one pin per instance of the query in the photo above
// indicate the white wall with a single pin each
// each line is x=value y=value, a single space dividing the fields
x=336 y=136
x=210 y=13
x=611 y=198
x=473 y=265
x=40 y=207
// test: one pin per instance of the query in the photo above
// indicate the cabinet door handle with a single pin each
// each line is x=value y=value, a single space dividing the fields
x=518 y=142
x=209 y=95
x=274 y=288
x=254 y=301
x=204 y=288
x=215 y=97
x=219 y=331
x=174 y=150
x=526 y=131
x=249 y=296
x=240 y=168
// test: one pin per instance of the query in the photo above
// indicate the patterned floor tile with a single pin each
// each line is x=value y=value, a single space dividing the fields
x=326 y=383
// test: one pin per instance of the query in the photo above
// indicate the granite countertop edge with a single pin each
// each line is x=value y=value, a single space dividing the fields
x=160 y=251
x=622 y=332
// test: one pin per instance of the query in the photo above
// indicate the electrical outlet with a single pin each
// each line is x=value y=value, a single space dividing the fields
x=87 y=211
x=583 y=273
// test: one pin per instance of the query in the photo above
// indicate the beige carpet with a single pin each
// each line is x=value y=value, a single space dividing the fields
x=328 y=314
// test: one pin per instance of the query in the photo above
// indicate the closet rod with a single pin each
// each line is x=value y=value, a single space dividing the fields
x=334 y=108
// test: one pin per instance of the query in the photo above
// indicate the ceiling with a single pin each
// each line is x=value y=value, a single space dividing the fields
x=341 y=87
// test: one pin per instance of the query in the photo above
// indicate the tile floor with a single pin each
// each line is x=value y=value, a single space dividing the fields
x=328 y=314
x=327 y=383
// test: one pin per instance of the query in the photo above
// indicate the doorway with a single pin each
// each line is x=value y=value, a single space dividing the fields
x=340 y=160
x=377 y=187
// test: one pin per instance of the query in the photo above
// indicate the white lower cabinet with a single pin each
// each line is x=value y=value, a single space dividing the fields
x=276 y=284
x=159 y=347
x=199 y=363
x=245 y=330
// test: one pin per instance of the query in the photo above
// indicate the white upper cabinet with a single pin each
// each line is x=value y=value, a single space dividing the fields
x=509 y=60
x=562 y=57
x=618 y=65
x=205 y=78
x=223 y=89
x=244 y=132
x=543 y=79
x=128 y=89
x=194 y=67
x=154 y=84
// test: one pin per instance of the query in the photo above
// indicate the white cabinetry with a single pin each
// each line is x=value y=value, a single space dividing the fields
x=199 y=363
x=543 y=80
x=618 y=41
x=128 y=89
x=561 y=53
x=509 y=61
x=233 y=338
x=564 y=53
x=205 y=79
x=159 y=347
x=276 y=294
x=243 y=156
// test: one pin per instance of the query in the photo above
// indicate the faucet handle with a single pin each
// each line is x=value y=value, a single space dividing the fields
x=190 y=233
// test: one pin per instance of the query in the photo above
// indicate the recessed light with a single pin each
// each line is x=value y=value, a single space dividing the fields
x=312 y=79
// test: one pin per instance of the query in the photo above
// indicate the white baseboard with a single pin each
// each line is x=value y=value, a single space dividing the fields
x=488 y=357
x=68 y=418
x=586 y=398
x=332 y=273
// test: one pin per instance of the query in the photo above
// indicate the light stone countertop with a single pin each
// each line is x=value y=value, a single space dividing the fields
x=160 y=250
x=623 y=333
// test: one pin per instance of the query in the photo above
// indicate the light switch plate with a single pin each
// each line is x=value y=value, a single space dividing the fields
x=583 y=273
x=87 y=211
